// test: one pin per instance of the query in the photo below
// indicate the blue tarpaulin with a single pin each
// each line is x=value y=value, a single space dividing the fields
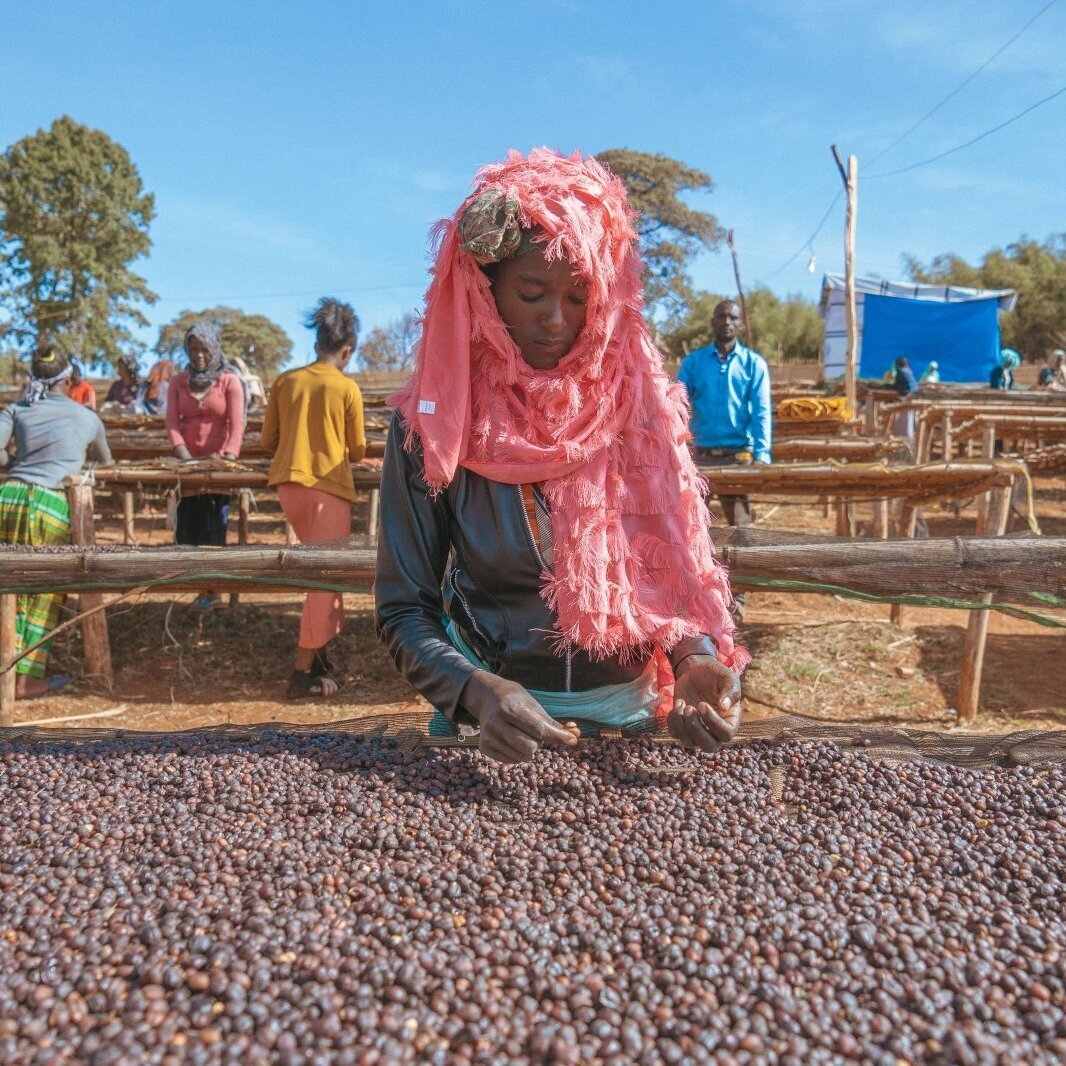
x=963 y=338
x=956 y=326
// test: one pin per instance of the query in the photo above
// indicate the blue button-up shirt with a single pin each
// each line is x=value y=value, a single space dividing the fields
x=730 y=399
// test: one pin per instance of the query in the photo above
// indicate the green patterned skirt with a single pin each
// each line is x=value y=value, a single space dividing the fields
x=36 y=516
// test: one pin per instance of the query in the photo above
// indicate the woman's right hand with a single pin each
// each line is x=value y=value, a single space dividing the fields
x=183 y=453
x=513 y=725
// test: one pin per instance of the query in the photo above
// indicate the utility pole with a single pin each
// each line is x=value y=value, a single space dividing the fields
x=850 y=177
x=748 y=335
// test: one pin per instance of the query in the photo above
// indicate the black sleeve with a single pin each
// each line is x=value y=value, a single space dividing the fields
x=413 y=551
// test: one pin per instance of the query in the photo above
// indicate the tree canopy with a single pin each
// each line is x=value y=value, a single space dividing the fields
x=787 y=331
x=1035 y=269
x=262 y=344
x=391 y=347
x=73 y=217
x=670 y=231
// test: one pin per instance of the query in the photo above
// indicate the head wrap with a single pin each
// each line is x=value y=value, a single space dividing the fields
x=208 y=335
x=605 y=430
x=1009 y=358
x=39 y=386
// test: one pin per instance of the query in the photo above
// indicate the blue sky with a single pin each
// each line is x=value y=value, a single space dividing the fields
x=299 y=150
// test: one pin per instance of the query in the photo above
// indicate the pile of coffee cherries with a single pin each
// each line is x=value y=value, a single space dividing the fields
x=325 y=899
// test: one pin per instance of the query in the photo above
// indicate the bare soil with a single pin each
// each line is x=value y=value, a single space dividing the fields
x=830 y=658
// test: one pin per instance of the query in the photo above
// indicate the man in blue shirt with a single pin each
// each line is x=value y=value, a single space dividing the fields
x=728 y=387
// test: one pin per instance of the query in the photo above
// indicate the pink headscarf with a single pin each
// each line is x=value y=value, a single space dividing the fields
x=605 y=430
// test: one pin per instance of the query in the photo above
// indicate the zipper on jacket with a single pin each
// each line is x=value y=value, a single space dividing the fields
x=466 y=607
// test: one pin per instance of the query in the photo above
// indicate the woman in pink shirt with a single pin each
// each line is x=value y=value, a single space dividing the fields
x=205 y=416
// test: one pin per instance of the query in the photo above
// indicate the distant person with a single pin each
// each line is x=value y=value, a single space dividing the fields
x=1002 y=376
x=126 y=392
x=1053 y=376
x=314 y=429
x=728 y=386
x=53 y=437
x=205 y=417
x=904 y=383
x=158 y=384
x=80 y=390
x=931 y=375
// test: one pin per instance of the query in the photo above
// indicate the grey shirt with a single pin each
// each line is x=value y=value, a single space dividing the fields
x=53 y=438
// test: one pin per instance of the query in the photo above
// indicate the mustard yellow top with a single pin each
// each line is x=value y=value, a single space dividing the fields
x=313 y=426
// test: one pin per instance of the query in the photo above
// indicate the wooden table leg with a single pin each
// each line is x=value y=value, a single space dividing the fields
x=128 y=514
x=968 y=698
x=95 y=640
x=372 y=521
x=908 y=523
x=7 y=653
x=244 y=507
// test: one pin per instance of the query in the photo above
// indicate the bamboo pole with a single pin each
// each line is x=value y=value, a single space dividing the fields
x=850 y=178
x=372 y=520
x=973 y=648
x=960 y=567
x=8 y=651
x=749 y=336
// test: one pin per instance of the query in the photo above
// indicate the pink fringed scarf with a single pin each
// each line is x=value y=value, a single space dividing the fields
x=605 y=430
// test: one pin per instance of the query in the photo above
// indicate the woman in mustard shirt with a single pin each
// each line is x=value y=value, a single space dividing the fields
x=314 y=429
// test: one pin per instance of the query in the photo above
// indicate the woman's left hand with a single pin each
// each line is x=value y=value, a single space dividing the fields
x=707 y=707
x=229 y=455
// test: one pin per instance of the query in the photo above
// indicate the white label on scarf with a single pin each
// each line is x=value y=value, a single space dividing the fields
x=426 y=407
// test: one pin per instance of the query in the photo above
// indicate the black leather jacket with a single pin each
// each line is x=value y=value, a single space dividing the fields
x=470 y=554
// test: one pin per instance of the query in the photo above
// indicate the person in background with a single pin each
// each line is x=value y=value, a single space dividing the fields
x=1002 y=376
x=126 y=392
x=205 y=417
x=1053 y=376
x=80 y=390
x=53 y=437
x=931 y=375
x=904 y=383
x=157 y=385
x=728 y=386
x=314 y=429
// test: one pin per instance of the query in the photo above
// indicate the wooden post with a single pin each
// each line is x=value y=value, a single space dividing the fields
x=94 y=636
x=988 y=451
x=372 y=521
x=7 y=653
x=243 y=507
x=128 y=534
x=870 y=412
x=749 y=337
x=968 y=698
x=850 y=178
x=949 y=440
x=908 y=523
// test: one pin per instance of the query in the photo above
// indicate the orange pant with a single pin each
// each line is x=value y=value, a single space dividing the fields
x=317 y=517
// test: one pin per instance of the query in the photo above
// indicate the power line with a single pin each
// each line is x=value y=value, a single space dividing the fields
x=932 y=111
x=807 y=243
x=973 y=140
x=962 y=85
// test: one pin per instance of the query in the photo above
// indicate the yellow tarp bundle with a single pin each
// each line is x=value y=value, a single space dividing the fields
x=814 y=408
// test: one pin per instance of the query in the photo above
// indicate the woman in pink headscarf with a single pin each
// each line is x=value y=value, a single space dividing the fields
x=546 y=554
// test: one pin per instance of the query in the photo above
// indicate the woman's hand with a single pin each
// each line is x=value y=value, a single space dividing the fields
x=513 y=725
x=183 y=453
x=230 y=456
x=707 y=706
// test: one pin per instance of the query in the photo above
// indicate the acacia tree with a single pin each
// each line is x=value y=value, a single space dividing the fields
x=73 y=217
x=1035 y=269
x=670 y=231
x=391 y=347
x=262 y=344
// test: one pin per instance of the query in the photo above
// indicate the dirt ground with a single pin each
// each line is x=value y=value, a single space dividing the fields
x=823 y=656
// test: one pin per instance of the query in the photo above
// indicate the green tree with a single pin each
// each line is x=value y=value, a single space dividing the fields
x=1035 y=269
x=73 y=217
x=670 y=231
x=391 y=347
x=786 y=331
x=262 y=344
